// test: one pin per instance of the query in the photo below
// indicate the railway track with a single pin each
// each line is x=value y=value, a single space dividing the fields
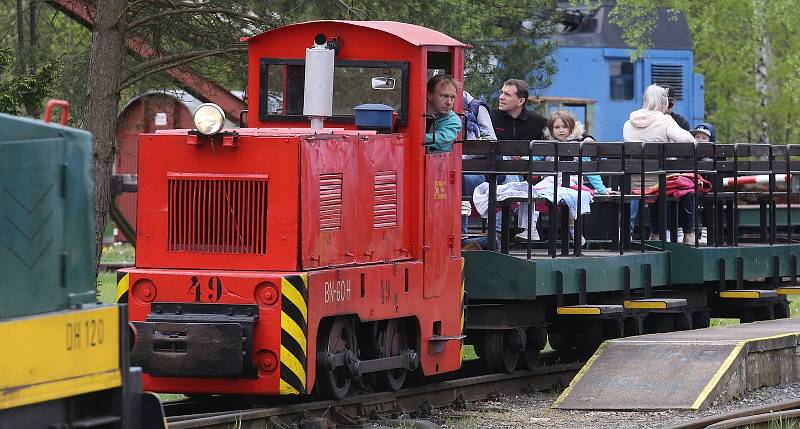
x=754 y=417
x=366 y=408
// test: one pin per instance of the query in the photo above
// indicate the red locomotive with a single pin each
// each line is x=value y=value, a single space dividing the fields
x=288 y=256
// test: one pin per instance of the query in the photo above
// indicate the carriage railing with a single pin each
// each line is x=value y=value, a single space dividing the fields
x=559 y=160
x=635 y=161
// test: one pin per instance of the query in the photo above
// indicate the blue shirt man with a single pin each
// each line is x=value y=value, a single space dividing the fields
x=443 y=124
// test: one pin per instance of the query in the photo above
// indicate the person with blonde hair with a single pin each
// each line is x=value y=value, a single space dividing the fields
x=652 y=123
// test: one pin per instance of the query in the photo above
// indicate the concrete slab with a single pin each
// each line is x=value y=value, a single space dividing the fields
x=686 y=369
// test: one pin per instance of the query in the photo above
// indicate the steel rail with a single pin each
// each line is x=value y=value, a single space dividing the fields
x=768 y=412
x=748 y=421
x=354 y=409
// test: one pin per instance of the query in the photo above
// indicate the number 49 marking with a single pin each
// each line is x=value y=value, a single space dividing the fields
x=214 y=289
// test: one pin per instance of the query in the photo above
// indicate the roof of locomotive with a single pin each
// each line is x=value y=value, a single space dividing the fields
x=413 y=34
x=277 y=132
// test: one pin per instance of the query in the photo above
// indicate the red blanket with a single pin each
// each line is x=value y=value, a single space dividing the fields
x=679 y=185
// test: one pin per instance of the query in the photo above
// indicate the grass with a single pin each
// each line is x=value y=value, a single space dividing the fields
x=106 y=286
x=777 y=423
x=118 y=252
x=107 y=280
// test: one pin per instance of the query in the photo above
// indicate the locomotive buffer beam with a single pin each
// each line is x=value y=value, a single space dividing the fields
x=190 y=340
x=408 y=360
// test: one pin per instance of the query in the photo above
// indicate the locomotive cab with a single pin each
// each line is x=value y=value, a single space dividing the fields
x=304 y=250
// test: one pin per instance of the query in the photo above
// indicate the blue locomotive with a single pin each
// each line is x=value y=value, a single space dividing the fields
x=599 y=83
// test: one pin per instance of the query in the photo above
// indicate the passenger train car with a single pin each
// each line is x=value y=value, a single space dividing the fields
x=319 y=247
x=64 y=358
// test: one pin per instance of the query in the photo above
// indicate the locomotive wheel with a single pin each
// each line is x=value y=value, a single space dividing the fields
x=536 y=338
x=501 y=351
x=335 y=336
x=392 y=341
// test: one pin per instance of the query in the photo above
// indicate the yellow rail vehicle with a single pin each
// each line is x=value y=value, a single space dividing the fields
x=63 y=357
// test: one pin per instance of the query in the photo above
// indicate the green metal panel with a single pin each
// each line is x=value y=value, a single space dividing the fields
x=46 y=217
x=751 y=216
x=491 y=275
x=697 y=265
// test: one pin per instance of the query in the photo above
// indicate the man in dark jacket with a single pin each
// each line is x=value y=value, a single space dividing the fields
x=511 y=120
x=682 y=122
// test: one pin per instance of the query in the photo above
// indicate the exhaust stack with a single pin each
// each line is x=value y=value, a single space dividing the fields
x=318 y=93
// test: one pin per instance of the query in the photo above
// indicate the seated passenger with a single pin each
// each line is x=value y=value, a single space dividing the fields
x=563 y=127
x=652 y=123
x=443 y=124
x=704 y=133
x=478 y=126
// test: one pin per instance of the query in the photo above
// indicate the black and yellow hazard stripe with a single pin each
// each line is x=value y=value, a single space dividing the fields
x=122 y=286
x=294 y=320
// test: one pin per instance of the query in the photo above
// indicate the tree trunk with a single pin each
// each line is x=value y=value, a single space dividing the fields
x=20 y=63
x=762 y=68
x=103 y=104
x=32 y=66
x=33 y=15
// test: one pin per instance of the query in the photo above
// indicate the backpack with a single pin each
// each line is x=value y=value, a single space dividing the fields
x=471 y=115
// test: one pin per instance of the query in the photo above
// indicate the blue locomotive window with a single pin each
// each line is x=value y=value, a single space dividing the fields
x=621 y=79
x=282 y=83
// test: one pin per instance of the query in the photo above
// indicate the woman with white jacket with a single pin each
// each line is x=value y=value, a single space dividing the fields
x=652 y=123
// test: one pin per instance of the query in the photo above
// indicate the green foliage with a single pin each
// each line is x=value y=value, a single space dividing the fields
x=509 y=38
x=727 y=35
x=29 y=89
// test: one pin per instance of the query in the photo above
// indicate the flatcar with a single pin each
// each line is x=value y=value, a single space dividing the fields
x=292 y=257
x=620 y=286
x=64 y=358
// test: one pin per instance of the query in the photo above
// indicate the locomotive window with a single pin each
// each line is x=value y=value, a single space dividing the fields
x=282 y=83
x=621 y=74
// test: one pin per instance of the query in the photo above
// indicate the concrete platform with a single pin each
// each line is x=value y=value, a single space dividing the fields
x=686 y=369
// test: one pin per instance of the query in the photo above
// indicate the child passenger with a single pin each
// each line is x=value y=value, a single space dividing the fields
x=563 y=127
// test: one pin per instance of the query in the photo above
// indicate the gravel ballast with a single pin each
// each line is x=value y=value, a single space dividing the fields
x=533 y=410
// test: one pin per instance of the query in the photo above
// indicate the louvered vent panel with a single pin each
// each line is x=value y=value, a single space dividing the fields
x=671 y=75
x=385 y=210
x=330 y=201
x=217 y=214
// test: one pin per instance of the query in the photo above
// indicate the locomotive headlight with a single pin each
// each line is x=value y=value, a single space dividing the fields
x=209 y=119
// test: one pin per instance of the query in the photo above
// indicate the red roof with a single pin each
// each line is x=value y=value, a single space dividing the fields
x=413 y=34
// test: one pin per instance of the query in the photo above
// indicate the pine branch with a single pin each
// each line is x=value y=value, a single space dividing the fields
x=196 y=10
x=172 y=61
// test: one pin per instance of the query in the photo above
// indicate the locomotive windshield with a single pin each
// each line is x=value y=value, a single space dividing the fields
x=282 y=83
